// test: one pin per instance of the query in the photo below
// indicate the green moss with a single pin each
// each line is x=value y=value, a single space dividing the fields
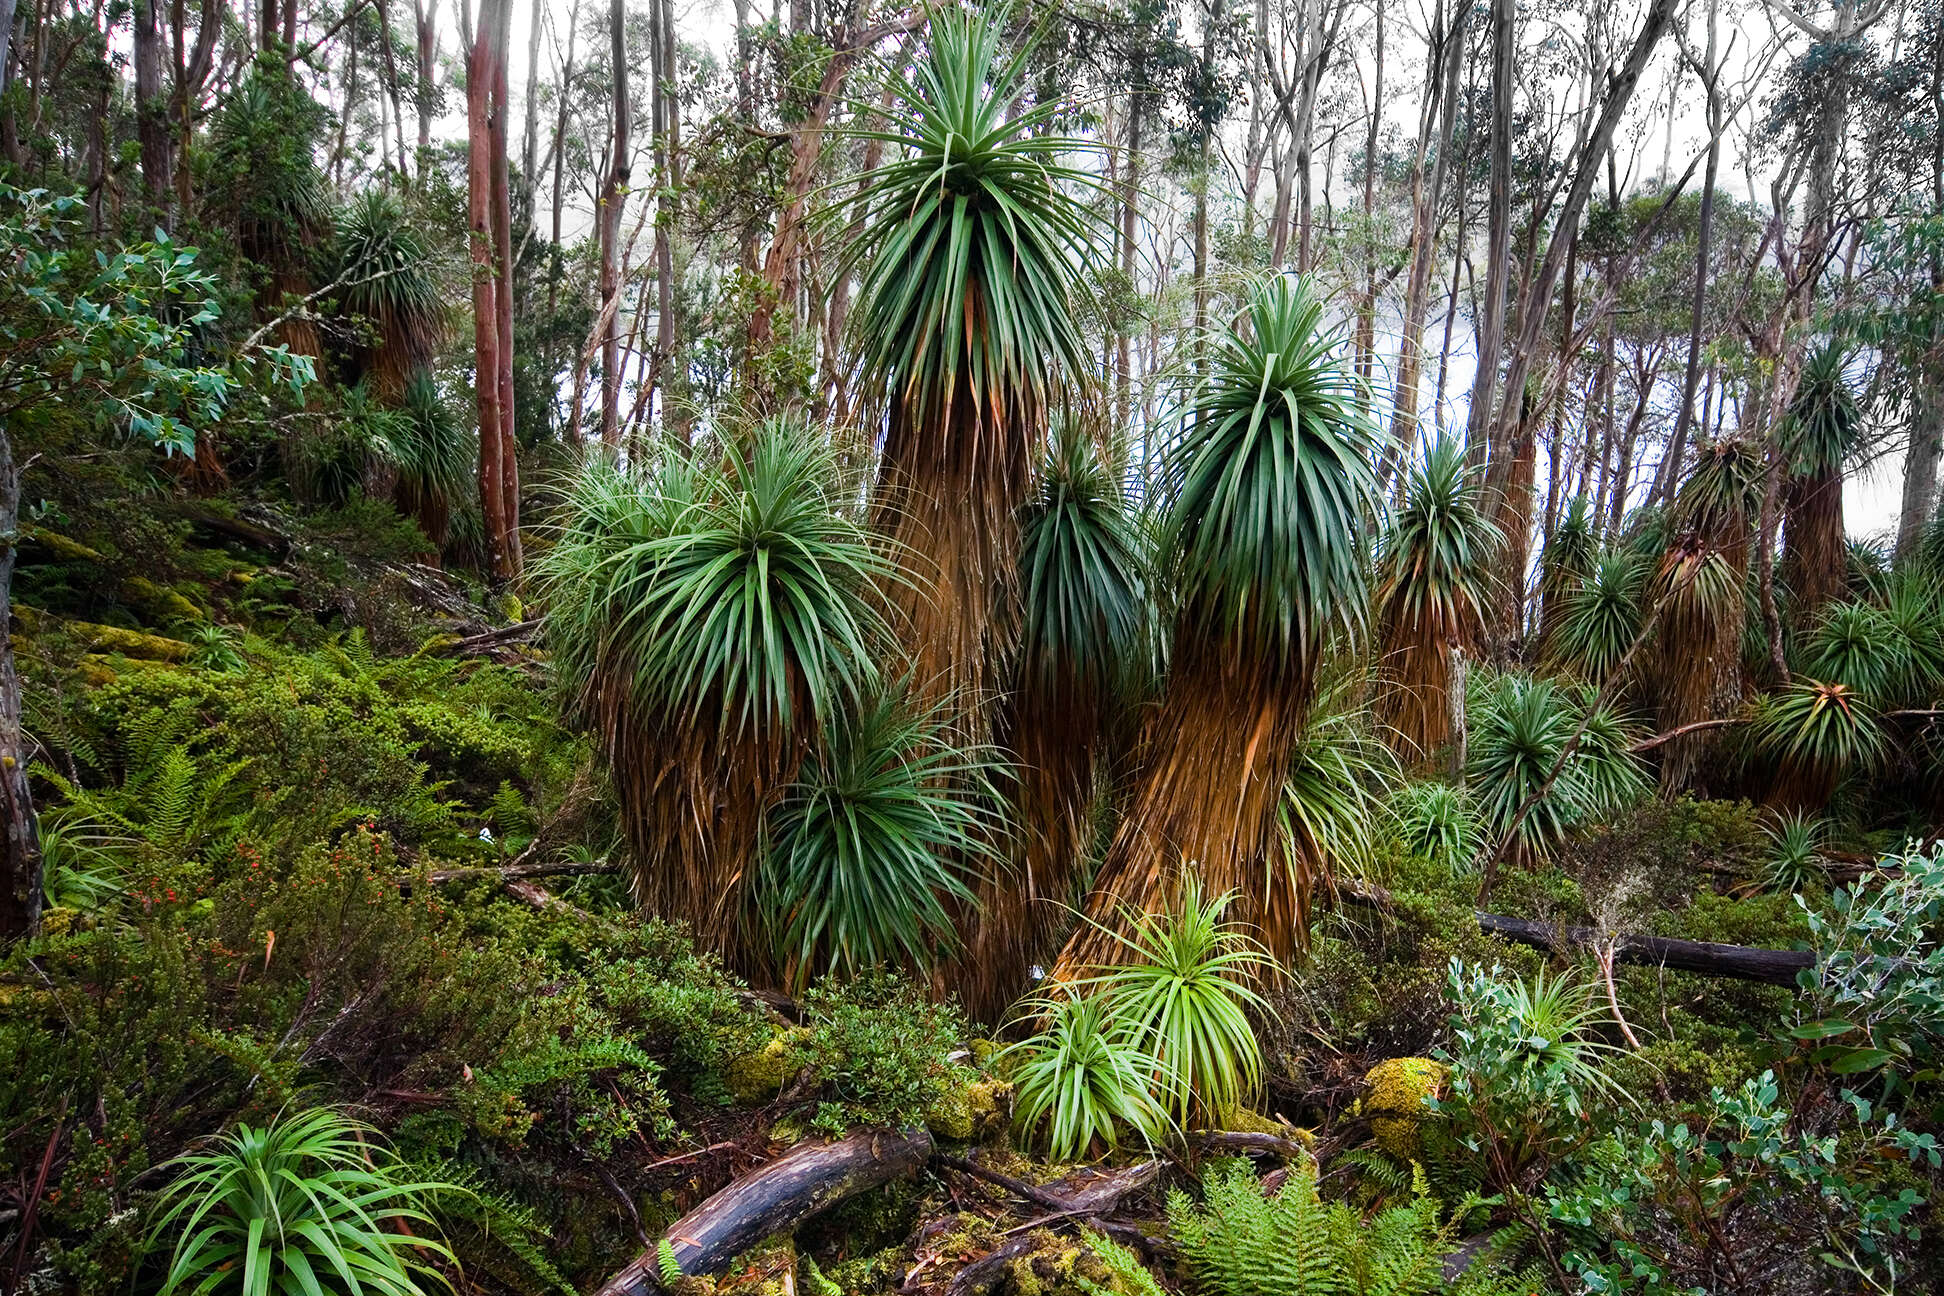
x=756 y=1077
x=976 y=1110
x=1395 y=1106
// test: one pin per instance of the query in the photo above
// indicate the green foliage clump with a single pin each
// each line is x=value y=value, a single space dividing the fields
x=1241 y=1241
x=1739 y=1187
x=867 y=851
x=1525 y=1063
x=1085 y=1077
x=1875 y=997
x=306 y=1199
x=880 y=1051
x=1520 y=728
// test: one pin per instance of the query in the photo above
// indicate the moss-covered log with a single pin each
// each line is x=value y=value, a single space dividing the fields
x=808 y=1179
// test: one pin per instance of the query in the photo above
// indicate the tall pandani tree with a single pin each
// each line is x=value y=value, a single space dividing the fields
x=391 y=283
x=1821 y=429
x=1695 y=663
x=1085 y=658
x=1567 y=559
x=1434 y=584
x=710 y=616
x=1269 y=486
x=971 y=239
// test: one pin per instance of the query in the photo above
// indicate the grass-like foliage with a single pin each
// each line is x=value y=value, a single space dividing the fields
x=866 y=851
x=1601 y=616
x=1794 y=859
x=1520 y=727
x=1440 y=823
x=1340 y=777
x=1087 y=617
x=974 y=233
x=1817 y=733
x=1182 y=995
x=1084 y=1078
x=306 y=1204
x=728 y=586
x=1271 y=480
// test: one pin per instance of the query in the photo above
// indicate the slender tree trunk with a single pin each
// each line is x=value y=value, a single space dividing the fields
x=1447 y=60
x=1367 y=308
x=1130 y=214
x=1497 y=238
x=667 y=217
x=1703 y=256
x=426 y=19
x=485 y=59
x=509 y=477
x=530 y=135
x=20 y=854
x=152 y=110
x=1927 y=427
x=613 y=199
x=391 y=86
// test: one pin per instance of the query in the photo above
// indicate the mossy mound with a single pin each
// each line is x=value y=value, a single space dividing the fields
x=975 y=1111
x=1398 y=1089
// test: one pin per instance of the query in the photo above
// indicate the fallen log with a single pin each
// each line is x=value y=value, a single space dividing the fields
x=518 y=632
x=516 y=871
x=773 y=1198
x=1705 y=958
x=1737 y=962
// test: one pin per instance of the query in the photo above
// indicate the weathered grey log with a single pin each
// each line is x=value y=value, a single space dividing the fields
x=1738 y=962
x=773 y=1198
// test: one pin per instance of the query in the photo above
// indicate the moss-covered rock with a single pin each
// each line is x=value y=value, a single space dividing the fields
x=977 y=1110
x=1395 y=1106
x=755 y=1078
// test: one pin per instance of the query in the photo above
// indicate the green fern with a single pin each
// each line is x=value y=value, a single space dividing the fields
x=671 y=1268
x=1241 y=1242
x=1129 y=1276
x=492 y=1231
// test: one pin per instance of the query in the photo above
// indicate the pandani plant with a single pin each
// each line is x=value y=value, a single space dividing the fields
x=1084 y=660
x=263 y=151
x=1601 y=617
x=867 y=852
x=1814 y=734
x=1822 y=427
x=1269 y=486
x=1566 y=559
x=1694 y=667
x=1434 y=572
x=970 y=242
x=391 y=283
x=310 y=1202
x=709 y=616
